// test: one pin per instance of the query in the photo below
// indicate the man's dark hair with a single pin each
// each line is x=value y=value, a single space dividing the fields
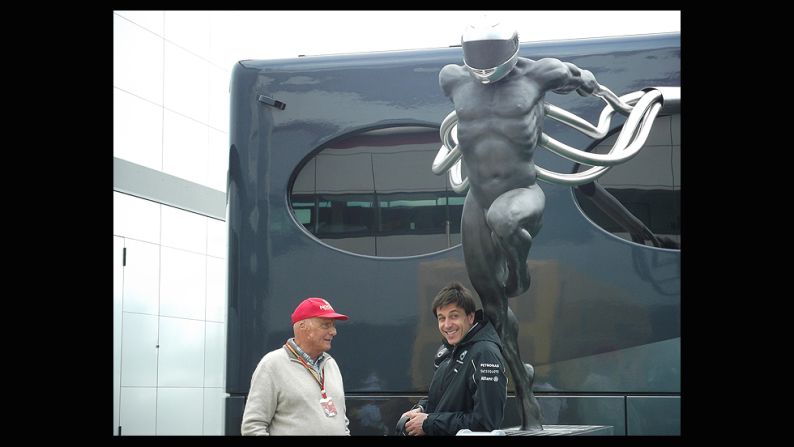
x=454 y=293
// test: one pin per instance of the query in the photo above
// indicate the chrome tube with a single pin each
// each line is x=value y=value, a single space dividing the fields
x=671 y=99
x=595 y=132
x=617 y=154
x=459 y=184
x=448 y=154
x=642 y=107
x=591 y=174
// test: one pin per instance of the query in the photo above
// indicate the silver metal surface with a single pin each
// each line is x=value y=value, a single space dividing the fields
x=489 y=75
x=642 y=107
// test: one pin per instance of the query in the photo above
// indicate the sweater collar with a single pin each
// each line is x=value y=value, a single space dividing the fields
x=314 y=364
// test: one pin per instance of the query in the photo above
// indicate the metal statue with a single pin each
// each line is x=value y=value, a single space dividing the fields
x=495 y=128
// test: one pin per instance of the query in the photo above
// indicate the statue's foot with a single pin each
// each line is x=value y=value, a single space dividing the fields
x=530 y=413
x=529 y=404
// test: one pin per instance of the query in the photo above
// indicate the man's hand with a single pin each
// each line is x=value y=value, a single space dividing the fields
x=414 y=425
x=411 y=413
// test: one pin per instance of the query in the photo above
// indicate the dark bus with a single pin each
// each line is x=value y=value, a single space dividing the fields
x=330 y=194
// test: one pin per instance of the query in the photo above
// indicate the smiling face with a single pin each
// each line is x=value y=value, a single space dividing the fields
x=314 y=335
x=453 y=323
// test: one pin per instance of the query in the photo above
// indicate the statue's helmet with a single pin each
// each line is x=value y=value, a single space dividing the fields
x=490 y=50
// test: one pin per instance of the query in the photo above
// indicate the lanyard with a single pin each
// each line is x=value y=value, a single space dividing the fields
x=319 y=378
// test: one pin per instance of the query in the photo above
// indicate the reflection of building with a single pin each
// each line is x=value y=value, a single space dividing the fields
x=373 y=193
x=648 y=187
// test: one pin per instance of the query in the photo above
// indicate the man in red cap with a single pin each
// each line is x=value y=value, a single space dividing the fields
x=297 y=389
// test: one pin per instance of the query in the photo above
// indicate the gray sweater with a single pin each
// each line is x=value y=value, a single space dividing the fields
x=284 y=399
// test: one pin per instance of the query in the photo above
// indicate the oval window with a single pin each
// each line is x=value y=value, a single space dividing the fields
x=640 y=200
x=373 y=193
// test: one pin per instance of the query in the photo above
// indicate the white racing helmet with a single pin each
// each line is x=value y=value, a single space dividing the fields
x=490 y=50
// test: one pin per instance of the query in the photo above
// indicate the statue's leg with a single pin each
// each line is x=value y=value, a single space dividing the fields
x=515 y=218
x=523 y=374
x=485 y=264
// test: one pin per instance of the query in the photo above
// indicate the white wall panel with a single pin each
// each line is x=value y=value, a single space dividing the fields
x=137 y=130
x=136 y=218
x=181 y=353
x=216 y=289
x=219 y=97
x=185 y=143
x=137 y=60
x=187 y=83
x=142 y=278
x=182 y=284
x=138 y=411
x=118 y=283
x=151 y=20
x=214 y=411
x=138 y=350
x=180 y=411
x=190 y=30
x=218 y=160
x=215 y=357
x=217 y=232
x=185 y=230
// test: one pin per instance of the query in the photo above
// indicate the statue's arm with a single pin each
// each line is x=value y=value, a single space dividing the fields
x=448 y=77
x=563 y=77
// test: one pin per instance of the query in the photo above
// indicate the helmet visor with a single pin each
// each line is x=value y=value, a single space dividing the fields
x=484 y=54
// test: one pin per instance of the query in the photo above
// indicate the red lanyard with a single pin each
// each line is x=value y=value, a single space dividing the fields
x=320 y=379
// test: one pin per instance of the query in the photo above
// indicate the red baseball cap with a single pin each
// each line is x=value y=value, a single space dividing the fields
x=315 y=307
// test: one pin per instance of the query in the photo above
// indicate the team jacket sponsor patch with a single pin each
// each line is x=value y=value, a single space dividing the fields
x=489 y=372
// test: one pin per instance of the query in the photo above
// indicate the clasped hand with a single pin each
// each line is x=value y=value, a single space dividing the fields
x=415 y=420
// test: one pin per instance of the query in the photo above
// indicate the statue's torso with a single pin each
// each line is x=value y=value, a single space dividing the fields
x=498 y=127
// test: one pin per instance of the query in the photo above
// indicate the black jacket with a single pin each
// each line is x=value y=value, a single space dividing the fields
x=469 y=387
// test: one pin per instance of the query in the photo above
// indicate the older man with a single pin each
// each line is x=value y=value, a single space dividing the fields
x=297 y=389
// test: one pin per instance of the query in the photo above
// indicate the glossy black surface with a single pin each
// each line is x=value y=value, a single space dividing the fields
x=354 y=194
x=602 y=314
x=653 y=415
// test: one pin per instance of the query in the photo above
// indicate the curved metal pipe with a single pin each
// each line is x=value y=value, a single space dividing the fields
x=642 y=107
x=448 y=153
x=459 y=184
x=617 y=155
x=585 y=127
x=595 y=172
x=671 y=99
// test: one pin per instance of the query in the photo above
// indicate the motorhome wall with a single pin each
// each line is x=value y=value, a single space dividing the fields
x=600 y=323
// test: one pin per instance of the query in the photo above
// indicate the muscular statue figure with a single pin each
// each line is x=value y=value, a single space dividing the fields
x=498 y=99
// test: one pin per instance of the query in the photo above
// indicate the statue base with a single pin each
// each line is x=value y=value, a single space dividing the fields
x=564 y=430
x=548 y=430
